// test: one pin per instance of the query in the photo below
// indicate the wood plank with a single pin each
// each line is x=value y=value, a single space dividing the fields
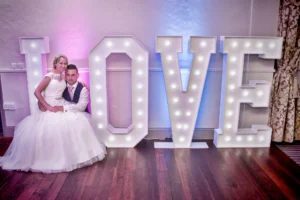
x=42 y=189
x=141 y=172
x=279 y=175
x=162 y=175
x=173 y=174
x=107 y=176
x=263 y=183
x=118 y=176
x=215 y=175
x=92 y=185
x=12 y=188
x=129 y=176
x=5 y=176
x=55 y=186
x=31 y=186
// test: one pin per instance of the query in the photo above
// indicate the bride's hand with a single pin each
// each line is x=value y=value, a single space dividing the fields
x=84 y=85
x=51 y=109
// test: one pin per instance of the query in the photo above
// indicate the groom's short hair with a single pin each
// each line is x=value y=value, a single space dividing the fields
x=71 y=66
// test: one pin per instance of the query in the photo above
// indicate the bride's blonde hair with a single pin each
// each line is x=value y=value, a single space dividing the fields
x=56 y=59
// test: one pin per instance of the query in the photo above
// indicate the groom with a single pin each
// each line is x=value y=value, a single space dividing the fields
x=75 y=94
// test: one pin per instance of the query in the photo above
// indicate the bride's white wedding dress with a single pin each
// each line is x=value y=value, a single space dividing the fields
x=53 y=142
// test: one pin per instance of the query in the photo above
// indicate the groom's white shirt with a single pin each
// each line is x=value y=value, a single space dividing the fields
x=82 y=102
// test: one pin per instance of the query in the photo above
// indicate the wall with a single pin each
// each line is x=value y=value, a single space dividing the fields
x=75 y=27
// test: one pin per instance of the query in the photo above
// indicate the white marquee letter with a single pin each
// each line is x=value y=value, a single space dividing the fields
x=120 y=137
x=233 y=93
x=33 y=48
x=184 y=106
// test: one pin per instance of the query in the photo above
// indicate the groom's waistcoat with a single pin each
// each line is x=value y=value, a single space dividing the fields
x=76 y=96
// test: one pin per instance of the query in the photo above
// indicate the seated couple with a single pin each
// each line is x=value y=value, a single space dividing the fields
x=61 y=138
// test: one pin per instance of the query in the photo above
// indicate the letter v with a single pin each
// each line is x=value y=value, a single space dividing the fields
x=184 y=106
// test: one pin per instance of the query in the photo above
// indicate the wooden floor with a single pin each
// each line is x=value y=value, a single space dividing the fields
x=147 y=173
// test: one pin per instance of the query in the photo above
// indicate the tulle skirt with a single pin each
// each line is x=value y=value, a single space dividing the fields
x=53 y=142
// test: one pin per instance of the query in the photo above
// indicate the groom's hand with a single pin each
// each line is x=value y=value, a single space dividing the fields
x=42 y=107
x=59 y=108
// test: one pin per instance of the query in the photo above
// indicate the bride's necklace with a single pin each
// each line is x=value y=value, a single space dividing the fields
x=57 y=77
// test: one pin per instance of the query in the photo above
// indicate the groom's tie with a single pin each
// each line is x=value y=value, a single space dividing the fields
x=70 y=89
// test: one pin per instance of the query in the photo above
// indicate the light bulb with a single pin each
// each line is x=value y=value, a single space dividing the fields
x=245 y=93
x=36 y=73
x=179 y=126
x=227 y=138
x=99 y=100
x=177 y=113
x=34 y=59
x=140 y=72
x=128 y=138
x=181 y=139
x=171 y=72
x=239 y=138
x=98 y=72
x=247 y=44
x=167 y=43
x=112 y=138
x=188 y=113
x=173 y=86
x=259 y=45
x=259 y=93
x=97 y=59
x=230 y=100
x=139 y=113
x=231 y=86
x=140 y=58
x=232 y=73
x=197 y=72
x=33 y=45
x=175 y=99
x=234 y=44
x=185 y=126
x=250 y=138
x=233 y=59
x=191 y=100
x=127 y=44
x=169 y=58
x=272 y=45
x=261 y=138
x=100 y=126
x=100 y=113
x=229 y=113
x=140 y=125
x=140 y=99
x=200 y=58
x=203 y=44
x=139 y=86
x=109 y=43
x=228 y=126
x=98 y=87
x=194 y=86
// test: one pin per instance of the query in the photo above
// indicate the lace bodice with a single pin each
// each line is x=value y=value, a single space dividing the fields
x=54 y=91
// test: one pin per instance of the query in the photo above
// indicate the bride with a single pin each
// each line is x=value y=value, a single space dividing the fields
x=53 y=141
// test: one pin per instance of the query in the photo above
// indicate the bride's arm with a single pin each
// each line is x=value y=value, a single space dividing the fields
x=38 y=93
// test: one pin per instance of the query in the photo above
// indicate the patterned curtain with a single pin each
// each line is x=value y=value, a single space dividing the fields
x=284 y=109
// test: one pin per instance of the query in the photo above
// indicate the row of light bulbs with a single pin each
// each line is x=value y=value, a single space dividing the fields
x=240 y=138
x=234 y=44
x=248 y=44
